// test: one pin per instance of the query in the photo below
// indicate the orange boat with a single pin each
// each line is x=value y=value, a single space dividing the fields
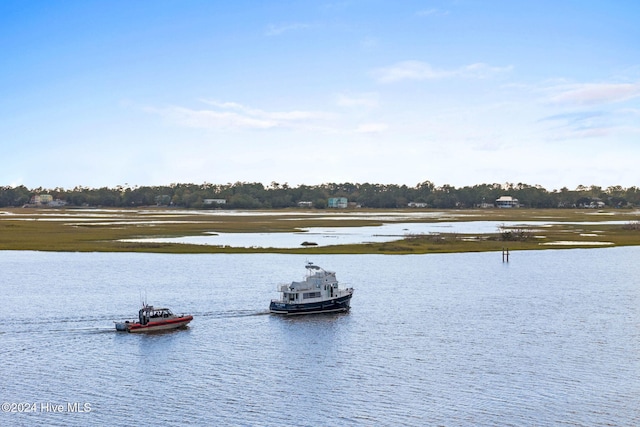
x=152 y=319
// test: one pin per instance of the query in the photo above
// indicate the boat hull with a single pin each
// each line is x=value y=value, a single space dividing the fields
x=334 y=305
x=163 y=325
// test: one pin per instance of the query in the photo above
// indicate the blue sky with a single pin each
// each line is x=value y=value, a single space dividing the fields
x=459 y=92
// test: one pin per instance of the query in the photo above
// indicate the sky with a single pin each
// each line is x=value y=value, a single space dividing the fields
x=455 y=92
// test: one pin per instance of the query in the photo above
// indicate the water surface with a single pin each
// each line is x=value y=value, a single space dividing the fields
x=342 y=235
x=551 y=338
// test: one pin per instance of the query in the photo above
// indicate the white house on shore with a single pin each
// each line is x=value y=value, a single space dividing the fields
x=46 y=200
x=507 y=202
x=214 y=201
x=417 y=205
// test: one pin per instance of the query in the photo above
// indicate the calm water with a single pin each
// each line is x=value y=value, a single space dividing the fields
x=328 y=236
x=552 y=338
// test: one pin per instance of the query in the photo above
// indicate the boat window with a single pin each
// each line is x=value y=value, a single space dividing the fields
x=308 y=295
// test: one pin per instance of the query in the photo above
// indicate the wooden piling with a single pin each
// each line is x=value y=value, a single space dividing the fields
x=505 y=255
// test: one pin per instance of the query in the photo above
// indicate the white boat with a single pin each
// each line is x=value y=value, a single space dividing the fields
x=317 y=293
x=151 y=319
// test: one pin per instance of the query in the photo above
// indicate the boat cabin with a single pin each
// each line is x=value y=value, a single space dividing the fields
x=318 y=284
x=151 y=314
x=326 y=291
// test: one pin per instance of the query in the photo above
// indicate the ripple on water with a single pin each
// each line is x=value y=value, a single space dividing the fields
x=463 y=339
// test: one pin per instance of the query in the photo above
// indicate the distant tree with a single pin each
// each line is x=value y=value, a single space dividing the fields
x=248 y=195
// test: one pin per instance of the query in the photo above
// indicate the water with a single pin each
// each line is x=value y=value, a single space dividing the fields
x=329 y=236
x=551 y=338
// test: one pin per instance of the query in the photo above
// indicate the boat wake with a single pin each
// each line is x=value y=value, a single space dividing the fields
x=93 y=330
x=102 y=324
x=231 y=313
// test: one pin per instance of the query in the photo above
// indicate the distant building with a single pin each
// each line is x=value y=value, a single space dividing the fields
x=417 y=205
x=41 y=199
x=507 y=202
x=57 y=203
x=338 y=202
x=46 y=200
x=305 y=204
x=593 y=204
x=214 y=201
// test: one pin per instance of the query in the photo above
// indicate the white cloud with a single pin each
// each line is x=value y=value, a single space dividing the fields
x=408 y=70
x=231 y=115
x=480 y=70
x=418 y=70
x=275 y=30
x=595 y=93
x=209 y=119
x=281 y=116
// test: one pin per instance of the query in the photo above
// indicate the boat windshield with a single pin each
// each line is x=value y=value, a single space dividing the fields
x=155 y=312
x=161 y=313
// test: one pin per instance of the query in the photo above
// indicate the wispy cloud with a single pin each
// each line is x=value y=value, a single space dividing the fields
x=432 y=12
x=593 y=123
x=275 y=30
x=270 y=115
x=578 y=125
x=630 y=111
x=418 y=70
x=594 y=93
x=231 y=115
x=575 y=117
x=209 y=119
x=592 y=132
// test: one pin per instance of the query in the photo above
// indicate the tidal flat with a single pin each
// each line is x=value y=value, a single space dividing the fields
x=166 y=230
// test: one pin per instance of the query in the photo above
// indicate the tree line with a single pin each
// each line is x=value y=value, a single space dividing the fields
x=245 y=195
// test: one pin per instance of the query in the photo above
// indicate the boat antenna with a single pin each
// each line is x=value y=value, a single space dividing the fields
x=143 y=301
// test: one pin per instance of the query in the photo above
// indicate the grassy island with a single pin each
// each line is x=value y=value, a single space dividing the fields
x=104 y=230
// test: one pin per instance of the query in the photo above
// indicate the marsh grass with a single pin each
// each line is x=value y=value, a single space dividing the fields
x=78 y=230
